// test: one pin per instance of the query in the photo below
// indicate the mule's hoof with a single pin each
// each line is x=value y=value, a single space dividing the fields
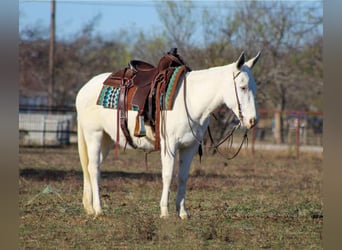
x=89 y=211
x=164 y=212
x=164 y=215
x=184 y=216
x=99 y=216
x=98 y=213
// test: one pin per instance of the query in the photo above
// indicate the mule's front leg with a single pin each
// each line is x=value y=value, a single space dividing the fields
x=167 y=159
x=185 y=158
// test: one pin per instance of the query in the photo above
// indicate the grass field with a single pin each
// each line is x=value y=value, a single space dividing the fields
x=269 y=201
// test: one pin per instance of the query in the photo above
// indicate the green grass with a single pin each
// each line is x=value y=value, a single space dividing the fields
x=269 y=201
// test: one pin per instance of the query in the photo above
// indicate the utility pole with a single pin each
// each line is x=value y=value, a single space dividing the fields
x=52 y=55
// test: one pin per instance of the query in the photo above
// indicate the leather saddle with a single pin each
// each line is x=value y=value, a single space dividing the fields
x=139 y=83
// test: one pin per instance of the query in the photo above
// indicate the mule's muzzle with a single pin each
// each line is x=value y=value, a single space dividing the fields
x=252 y=122
x=248 y=124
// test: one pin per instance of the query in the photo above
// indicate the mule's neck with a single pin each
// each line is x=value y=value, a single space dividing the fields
x=204 y=91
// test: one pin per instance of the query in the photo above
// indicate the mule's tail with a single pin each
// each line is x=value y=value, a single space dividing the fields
x=82 y=148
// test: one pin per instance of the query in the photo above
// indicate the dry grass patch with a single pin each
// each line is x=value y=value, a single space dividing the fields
x=270 y=201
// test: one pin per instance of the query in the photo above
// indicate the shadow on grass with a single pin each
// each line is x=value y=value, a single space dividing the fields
x=59 y=175
x=56 y=175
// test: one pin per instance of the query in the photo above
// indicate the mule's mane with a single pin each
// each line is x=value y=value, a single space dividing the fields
x=206 y=75
x=214 y=70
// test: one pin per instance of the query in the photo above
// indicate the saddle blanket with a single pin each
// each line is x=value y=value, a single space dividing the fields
x=109 y=95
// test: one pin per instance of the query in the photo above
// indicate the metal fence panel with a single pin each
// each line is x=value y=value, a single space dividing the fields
x=44 y=129
x=301 y=129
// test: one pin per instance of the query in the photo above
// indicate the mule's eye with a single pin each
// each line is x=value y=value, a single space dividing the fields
x=244 y=88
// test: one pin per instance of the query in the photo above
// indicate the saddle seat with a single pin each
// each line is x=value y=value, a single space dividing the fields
x=136 y=74
x=138 y=65
x=143 y=72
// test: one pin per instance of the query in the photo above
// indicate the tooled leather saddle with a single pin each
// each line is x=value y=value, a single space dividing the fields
x=144 y=88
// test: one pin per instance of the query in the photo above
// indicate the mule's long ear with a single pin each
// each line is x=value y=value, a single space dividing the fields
x=241 y=60
x=250 y=63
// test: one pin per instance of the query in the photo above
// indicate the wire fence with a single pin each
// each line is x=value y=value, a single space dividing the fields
x=46 y=126
x=300 y=130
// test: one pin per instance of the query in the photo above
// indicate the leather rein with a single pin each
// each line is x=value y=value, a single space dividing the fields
x=229 y=135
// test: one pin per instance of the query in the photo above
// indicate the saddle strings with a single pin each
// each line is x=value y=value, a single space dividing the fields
x=229 y=135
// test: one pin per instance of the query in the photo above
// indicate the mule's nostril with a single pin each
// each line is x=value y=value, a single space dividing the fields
x=252 y=122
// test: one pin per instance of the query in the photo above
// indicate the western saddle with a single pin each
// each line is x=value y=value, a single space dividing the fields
x=142 y=87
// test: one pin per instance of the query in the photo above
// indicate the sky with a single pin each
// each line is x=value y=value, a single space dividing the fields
x=114 y=15
x=71 y=16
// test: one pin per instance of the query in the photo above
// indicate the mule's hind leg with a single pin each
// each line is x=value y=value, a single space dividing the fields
x=185 y=158
x=90 y=170
x=94 y=144
x=83 y=154
x=87 y=194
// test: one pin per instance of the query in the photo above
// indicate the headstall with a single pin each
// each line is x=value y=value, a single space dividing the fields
x=229 y=135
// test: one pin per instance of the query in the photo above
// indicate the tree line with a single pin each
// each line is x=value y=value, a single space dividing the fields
x=289 y=74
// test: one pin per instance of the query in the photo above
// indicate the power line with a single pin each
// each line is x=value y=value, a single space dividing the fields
x=149 y=4
x=143 y=3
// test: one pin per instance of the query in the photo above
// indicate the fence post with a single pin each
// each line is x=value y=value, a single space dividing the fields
x=277 y=126
x=297 y=134
x=44 y=129
x=253 y=141
x=68 y=133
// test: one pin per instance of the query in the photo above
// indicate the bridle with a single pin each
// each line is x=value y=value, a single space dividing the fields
x=229 y=135
x=237 y=97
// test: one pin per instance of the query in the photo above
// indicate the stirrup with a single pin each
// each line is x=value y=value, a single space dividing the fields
x=139 y=130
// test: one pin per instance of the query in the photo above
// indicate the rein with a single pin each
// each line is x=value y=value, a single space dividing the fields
x=229 y=135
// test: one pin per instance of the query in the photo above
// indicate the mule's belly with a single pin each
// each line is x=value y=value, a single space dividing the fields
x=177 y=129
x=110 y=125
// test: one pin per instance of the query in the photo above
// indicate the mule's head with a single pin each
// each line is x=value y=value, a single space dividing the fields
x=241 y=97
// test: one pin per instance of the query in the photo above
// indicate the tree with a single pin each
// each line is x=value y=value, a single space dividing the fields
x=76 y=61
x=289 y=73
x=179 y=22
x=33 y=61
x=284 y=32
x=149 y=49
